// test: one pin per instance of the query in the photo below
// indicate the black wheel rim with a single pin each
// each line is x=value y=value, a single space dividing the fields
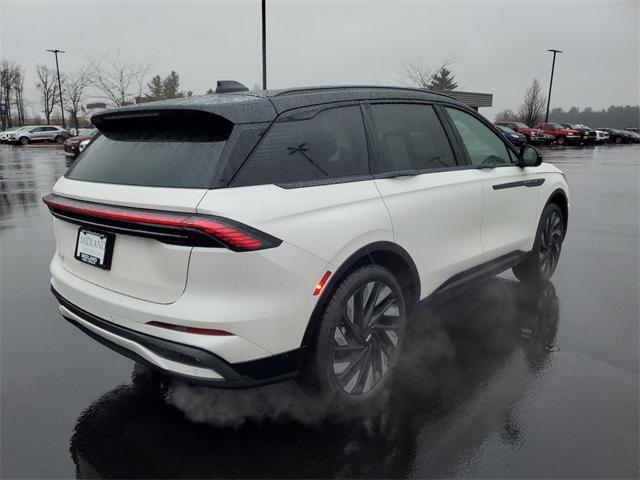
x=366 y=338
x=550 y=243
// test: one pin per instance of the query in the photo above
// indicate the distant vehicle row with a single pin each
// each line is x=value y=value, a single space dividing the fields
x=33 y=133
x=563 y=134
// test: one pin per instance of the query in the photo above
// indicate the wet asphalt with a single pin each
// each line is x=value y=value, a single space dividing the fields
x=504 y=382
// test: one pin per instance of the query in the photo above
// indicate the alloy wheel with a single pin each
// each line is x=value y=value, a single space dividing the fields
x=550 y=243
x=366 y=337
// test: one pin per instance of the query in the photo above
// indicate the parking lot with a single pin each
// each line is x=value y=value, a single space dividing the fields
x=505 y=382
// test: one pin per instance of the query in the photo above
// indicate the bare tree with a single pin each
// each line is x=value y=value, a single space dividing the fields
x=74 y=88
x=18 y=90
x=419 y=75
x=531 y=110
x=8 y=71
x=118 y=78
x=48 y=90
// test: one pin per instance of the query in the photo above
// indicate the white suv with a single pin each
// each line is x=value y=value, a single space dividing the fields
x=245 y=238
x=49 y=133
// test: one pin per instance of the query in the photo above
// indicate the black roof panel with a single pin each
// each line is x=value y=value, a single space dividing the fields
x=264 y=105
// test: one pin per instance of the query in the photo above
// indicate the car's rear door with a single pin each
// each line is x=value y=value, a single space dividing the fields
x=511 y=193
x=435 y=201
x=151 y=165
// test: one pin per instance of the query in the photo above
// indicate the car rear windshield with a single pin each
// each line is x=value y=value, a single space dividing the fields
x=155 y=149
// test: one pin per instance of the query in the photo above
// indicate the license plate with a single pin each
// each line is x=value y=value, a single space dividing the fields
x=95 y=248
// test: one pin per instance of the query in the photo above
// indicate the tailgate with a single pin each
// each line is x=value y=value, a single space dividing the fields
x=140 y=267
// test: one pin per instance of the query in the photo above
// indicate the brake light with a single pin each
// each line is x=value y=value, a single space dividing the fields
x=229 y=233
x=199 y=331
x=321 y=283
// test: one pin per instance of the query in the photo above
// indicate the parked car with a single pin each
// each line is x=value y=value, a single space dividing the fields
x=514 y=137
x=561 y=134
x=4 y=135
x=618 y=136
x=635 y=136
x=83 y=144
x=588 y=135
x=534 y=135
x=40 y=133
x=266 y=244
x=72 y=145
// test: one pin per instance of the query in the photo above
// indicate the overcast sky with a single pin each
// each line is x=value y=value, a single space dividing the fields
x=499 y=47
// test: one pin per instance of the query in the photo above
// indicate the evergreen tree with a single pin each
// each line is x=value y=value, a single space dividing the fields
x=210 y=92
x=171 y=86
x=156 y=88
x=443 y=81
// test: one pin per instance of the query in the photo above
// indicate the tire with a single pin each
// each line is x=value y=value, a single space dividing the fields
x=57 y=139
x=561 y=140
x=618 y=140
x=368 y=347
x=23 y=140
x=541 y=263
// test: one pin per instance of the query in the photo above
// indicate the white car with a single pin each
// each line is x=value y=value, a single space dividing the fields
x=39 y=133
x=602 y=136
x=4 y=135
x=246 y=238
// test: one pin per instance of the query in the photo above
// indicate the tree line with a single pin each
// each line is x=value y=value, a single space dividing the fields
x=113 y=77
x=533 y=108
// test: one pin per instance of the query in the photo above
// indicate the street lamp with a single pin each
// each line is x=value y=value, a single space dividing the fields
x=264 y=45
x=56 y=52
x=553 y=66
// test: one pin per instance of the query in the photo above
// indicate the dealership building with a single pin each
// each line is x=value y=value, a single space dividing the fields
x=473 y=99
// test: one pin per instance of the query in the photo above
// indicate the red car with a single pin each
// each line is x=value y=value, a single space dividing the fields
x=72 y=145
x=563 y=135
x=534 y=135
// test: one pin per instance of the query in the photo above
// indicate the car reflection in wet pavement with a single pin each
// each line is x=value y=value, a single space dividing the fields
x=505 y=381
x=466 y=375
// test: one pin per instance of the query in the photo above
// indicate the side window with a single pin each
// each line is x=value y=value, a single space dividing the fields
x=483 y=145
x=410 y=137
x=332 y=143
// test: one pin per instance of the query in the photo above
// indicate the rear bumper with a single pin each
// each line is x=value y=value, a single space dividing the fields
x=185 y=362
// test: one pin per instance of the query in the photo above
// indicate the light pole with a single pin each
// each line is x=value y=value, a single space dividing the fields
x=56 y=52
x=553 y=66
x=264 y=45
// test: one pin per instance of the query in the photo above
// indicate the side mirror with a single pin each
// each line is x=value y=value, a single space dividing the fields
x=529 y=157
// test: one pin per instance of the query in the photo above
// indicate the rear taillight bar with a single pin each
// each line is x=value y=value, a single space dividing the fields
x=168 y=227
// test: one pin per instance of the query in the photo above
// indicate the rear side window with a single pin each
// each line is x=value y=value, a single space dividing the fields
x=167 y=149
x=327 y=145
x=483 y=145
x=410 y=137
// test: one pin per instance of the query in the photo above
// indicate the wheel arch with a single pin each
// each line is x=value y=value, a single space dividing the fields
x=386 y=254
x=559 y=197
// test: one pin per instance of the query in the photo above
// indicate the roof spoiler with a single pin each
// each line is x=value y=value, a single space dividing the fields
x=228 y=86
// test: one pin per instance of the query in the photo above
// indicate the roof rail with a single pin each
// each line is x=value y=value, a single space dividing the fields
x=293 y=91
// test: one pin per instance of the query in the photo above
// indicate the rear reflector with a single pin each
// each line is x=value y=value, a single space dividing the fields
x=321 y=283
x=170 y=227
x=199 y=331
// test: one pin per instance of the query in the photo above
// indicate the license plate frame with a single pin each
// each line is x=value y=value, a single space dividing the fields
x=85 y=256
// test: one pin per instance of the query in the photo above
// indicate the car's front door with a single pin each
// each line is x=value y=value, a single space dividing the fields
x=35 y=134
x=435 y=202
x=511 y=193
